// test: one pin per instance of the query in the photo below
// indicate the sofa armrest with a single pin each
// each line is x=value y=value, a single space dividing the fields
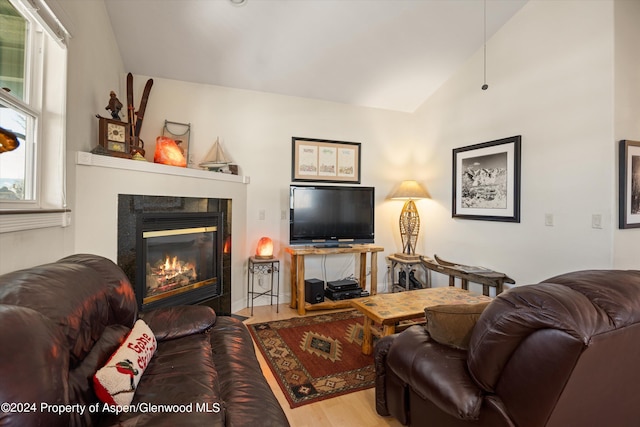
x=436 y=372
x=179 y=321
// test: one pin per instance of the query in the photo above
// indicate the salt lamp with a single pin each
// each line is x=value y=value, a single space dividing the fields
x=169 y=153
x=265 y=248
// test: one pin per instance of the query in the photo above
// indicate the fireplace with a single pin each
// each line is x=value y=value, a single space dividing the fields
x=180 y=258
x=176 y=250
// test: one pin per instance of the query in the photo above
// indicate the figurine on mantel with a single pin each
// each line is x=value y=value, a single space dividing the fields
x=215 y=159
x=114 y=106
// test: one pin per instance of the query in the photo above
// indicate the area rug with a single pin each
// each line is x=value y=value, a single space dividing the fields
x=316 y=357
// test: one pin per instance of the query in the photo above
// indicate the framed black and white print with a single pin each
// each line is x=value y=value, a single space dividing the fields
x=486 y=181
x=629 y=184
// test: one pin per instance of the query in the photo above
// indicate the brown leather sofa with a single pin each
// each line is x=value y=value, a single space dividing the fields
x=60 y=322
x=562 y=353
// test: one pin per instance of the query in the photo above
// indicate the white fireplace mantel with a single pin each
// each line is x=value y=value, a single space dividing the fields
x=88 y=159
x=101 y=179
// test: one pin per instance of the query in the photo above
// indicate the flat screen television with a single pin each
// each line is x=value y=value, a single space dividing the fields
x=325 y=215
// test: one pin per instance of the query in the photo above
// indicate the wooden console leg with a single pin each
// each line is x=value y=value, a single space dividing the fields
x=374 y=273
x=300 y=285
x=363 y=270
x=294 y=281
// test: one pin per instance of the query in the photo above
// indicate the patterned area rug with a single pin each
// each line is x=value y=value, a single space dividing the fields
x=316 y=357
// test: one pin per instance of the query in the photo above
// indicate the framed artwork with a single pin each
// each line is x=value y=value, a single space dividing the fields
x=629 y=184
x=486 y=181
x=322 y=160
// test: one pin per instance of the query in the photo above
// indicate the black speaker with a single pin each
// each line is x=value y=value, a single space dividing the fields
x=313 y=291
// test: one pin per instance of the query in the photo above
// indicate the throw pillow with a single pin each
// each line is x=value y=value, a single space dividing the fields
x=452 y=324
x=116 y=382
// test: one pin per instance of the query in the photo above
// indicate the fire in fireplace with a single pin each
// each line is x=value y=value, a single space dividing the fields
x=181 y=260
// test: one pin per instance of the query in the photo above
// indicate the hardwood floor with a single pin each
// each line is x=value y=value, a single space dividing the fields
x=353 y=409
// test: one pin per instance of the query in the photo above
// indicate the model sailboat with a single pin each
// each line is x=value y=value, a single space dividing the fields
x=215 y=159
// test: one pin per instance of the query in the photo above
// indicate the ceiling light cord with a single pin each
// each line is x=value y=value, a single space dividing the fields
x=485 y=86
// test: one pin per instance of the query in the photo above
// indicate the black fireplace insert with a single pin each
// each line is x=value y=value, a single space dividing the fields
x=179 y=258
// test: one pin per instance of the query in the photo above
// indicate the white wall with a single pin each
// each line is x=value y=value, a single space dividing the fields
x=550 y=76
x=627 y=113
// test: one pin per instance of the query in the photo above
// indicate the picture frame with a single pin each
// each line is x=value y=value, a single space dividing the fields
x=325 y=160
x=629 y=184
x=486 y=181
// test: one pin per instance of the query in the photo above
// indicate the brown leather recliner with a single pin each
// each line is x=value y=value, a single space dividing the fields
x=60 y=322
x=562 y=353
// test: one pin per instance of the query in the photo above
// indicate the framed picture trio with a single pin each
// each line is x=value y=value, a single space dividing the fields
x=324 y=160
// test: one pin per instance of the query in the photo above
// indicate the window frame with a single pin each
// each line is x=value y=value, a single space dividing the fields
x=44 y=100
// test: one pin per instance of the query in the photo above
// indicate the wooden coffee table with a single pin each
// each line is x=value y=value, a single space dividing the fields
x=389 y=309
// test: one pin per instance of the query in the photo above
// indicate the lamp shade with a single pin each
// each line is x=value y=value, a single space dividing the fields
x=264 y=250
x=410 y=190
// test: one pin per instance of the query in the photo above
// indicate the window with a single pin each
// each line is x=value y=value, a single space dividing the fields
x=33 y=73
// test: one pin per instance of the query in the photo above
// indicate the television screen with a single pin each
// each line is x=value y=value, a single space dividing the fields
x=331 y=215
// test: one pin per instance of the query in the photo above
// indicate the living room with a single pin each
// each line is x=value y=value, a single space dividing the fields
x=574 y=99
x=562 y=74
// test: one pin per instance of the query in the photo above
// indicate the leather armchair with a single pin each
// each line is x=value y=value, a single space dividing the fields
x=560 y=353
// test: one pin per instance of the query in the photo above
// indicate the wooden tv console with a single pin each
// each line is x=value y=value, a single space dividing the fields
x=297 y=273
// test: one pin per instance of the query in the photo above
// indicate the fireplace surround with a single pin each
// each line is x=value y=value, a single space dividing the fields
x=176 y=250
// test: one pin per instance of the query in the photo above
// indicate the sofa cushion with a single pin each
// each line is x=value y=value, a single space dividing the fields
x=81 y=388
x=116 y=382
x=179 y=387
x=34 y=365
x=452 y=324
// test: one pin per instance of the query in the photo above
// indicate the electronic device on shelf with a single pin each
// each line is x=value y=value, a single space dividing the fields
x=331 y=215
x=348 y=294
x=313 y=291
x=343 y=285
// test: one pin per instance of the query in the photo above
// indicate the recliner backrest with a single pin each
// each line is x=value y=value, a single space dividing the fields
x=532 y=343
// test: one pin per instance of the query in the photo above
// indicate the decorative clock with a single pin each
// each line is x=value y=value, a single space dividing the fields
x=114 y=137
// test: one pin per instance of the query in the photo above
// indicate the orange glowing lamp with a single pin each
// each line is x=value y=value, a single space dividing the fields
x=169 y=153
x=265 y=248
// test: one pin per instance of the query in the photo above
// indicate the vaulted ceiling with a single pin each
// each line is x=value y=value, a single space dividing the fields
x=390 y=54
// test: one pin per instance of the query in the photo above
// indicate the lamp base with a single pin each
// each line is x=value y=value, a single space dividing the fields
x=408 y=257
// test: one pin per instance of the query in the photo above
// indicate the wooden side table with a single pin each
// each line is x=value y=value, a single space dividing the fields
x=263 y=267
x=297 y=273
x=406 y=266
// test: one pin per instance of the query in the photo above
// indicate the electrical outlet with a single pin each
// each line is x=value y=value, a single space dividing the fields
x=596 y=221
x=261 y=214
x=548 y=220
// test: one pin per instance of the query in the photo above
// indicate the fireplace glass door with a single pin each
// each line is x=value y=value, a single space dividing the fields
x=181 y=263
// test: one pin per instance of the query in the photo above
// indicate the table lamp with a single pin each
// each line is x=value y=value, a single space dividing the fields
x=409 y=218
x=264 y=249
